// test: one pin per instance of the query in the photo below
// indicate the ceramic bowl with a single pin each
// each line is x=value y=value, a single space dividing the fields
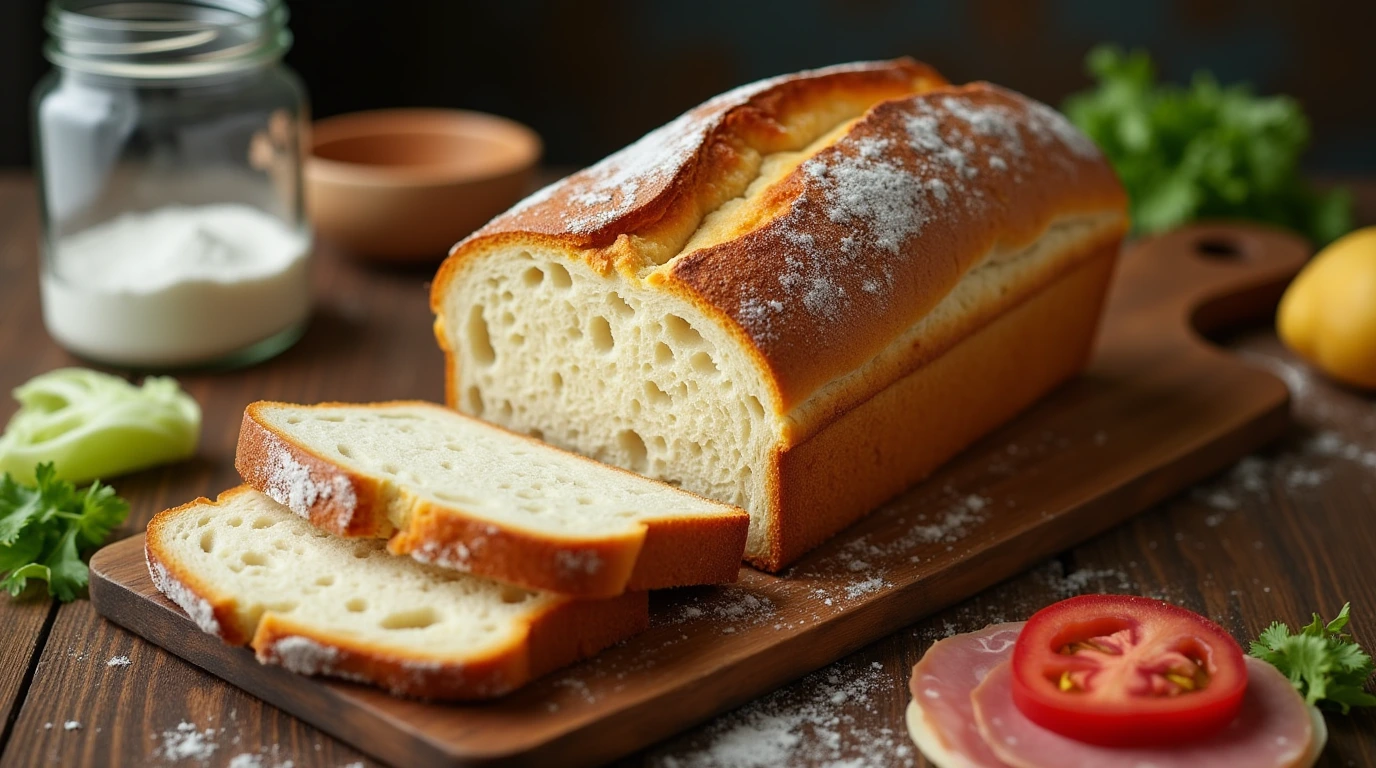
x=406 y=184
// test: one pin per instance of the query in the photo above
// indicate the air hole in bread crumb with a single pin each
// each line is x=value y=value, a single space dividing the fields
x=508 y=318
x=619 y=304
x=682 y=331
x=512 y=595
x=203 y=522
x=532 y=277
x=294 y=420
x=635 y=407
x=356 y=605
x=416 y=618
x=254 y=558
x=585 y=500
x=208 y=542
x=655 y=395
x=556 y=380
x=333 y=419
x=478 y=338
x=505 y=409
x=527 y=493
x=324 y=581
x=559 y=276
x=262 y=522
x=533 y=509
x=753 y=403
x=517 y=339
x=633 y=447
x=363 y=551
x=234 y=522
x=281 y=545
x=601 y=333
x=390 y=468
x=538 y=434
x=703 y=363
x=663 y=354
x=661 y=445
x=475 y=403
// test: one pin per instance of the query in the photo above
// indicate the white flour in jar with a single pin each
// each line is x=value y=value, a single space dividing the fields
x=178 y=285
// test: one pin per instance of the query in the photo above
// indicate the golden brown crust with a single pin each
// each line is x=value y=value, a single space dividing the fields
x=874 y=230
x=627 y=193
x=566 y=631
x=666 y=181
x=671 y=552
x=899 y=436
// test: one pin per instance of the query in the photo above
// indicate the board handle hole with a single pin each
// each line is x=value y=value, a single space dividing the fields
x=1217 y=248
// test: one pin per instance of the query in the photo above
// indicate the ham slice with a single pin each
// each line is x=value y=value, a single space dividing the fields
x=1273 y=730
x=941 y=718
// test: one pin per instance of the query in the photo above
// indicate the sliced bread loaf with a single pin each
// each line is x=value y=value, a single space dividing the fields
x=454 y=491
x=245 y=568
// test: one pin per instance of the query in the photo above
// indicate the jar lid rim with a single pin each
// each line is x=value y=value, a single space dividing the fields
x=165 y=40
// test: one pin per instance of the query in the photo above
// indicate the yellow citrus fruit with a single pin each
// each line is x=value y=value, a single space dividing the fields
x=1328 y=314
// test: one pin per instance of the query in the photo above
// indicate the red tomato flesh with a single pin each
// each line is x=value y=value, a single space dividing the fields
x=1124 y=671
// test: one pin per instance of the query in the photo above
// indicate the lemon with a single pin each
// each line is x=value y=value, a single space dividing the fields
x=1328 y=314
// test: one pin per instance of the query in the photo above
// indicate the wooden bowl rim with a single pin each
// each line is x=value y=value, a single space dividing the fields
x=385 y=122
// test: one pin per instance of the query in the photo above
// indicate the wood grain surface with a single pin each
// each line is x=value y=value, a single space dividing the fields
x=1290 y=534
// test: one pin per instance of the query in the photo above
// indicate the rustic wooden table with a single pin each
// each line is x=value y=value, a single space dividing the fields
x=1283 y=533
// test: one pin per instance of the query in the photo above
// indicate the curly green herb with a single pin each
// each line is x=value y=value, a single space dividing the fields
x=1322 y=661
x=45 y=529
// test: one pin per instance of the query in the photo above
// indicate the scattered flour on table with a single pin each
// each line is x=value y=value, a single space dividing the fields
x=71 y=725
x=267 y=757
x=186 y=742
x=815 y=721
x=737 y=605
x=118 y=661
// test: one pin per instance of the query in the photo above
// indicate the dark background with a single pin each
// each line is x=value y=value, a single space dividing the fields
x=592 y=75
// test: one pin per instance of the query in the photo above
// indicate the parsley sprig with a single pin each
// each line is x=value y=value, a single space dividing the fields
x=1203 y=150
x=1322 y=661
x=45 y=528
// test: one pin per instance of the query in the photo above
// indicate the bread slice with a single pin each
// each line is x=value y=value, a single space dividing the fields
x=454 y=491
x=245 y=568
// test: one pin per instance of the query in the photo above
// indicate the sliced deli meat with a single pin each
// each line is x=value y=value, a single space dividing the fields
x=1273 y=730
x=941 y=718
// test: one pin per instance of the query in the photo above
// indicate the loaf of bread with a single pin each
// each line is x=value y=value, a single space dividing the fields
x=245 y=568
x=798 y=298
x=454 y=491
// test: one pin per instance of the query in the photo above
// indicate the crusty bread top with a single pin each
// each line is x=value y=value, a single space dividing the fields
x=638 y=185
x=818 y=261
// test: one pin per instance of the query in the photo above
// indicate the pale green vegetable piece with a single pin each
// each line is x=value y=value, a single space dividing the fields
x=92 y=425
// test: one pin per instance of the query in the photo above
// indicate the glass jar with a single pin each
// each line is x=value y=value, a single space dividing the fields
x=168 y=142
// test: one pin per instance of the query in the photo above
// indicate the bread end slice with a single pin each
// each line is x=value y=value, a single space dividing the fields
x=460 y=493
x=247 y=570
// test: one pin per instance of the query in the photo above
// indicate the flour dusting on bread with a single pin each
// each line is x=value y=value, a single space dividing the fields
x=291 y=484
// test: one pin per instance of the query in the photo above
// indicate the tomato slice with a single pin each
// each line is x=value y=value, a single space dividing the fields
x=1121 y=671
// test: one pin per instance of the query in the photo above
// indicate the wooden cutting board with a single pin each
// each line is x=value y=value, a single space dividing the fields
x=1158 y=409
